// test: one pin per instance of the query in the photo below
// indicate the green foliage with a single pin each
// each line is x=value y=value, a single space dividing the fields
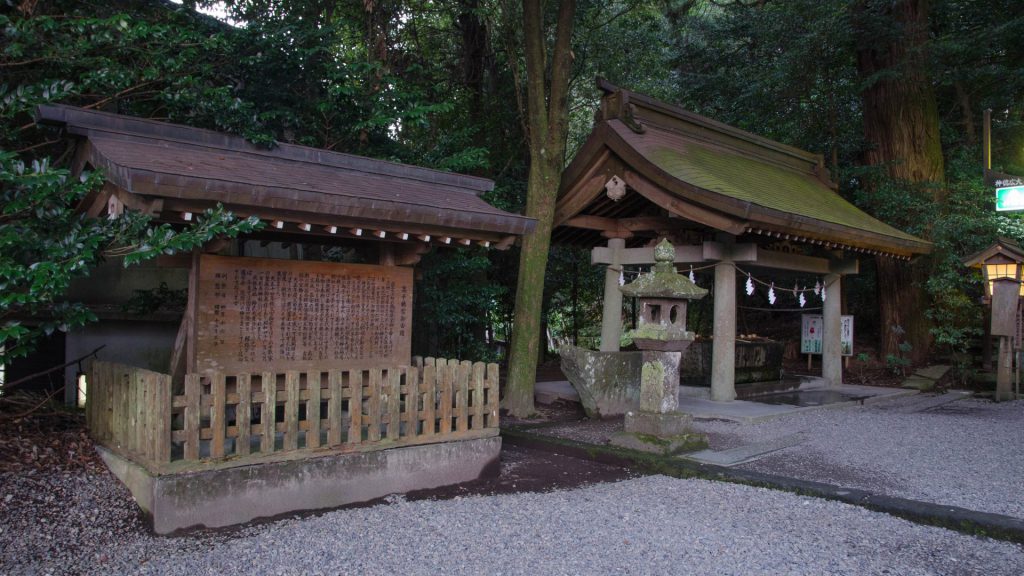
x=784 y=70
x=788 y=70
x=440 y=84
x=145 y=302
x=456 y=305
x=45 y=242
x=573 y=297
x=899 y=362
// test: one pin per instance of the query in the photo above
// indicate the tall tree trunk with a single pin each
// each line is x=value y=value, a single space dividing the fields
x=901 y=127
x=547 y=124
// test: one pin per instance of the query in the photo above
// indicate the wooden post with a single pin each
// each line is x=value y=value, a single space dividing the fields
x=243 y=414
x=462 y=400
x=493 y=392
x=192 y=397
x=334 y=408
x=478 y=396
x=162 y=436
x=412 y=401
x=291 y=410
x=445 y=375
x=394 y=387
x=136 y=406
x=268 y=419
x=429 y=397
x=218 y=417
x=373 y=406
x=355 y=407
x=313 y=410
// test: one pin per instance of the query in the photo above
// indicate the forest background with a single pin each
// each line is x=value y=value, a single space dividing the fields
x=891 y=93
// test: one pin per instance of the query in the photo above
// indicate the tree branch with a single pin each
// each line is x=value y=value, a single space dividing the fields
x=561 y=68
x=533 y=36
x=8 y=386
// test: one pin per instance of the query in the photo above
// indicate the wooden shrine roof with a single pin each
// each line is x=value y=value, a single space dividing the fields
x=686 y=171
x=173 y=171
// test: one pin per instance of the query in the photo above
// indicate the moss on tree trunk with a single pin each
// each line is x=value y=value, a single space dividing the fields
x=901 y=128
x=547 y=126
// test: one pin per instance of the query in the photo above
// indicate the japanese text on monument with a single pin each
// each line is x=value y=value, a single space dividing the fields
x=289 y=313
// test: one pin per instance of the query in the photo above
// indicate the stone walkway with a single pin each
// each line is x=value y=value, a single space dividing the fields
x=945 y=449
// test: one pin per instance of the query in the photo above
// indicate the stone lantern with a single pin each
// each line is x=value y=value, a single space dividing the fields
x=661 y=334
x=663 y=295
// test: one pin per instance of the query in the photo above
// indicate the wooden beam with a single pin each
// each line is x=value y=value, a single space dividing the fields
x=322 y=224
x=173 y=261
x=386 y=254
x=743 y=253
x=717 y=251
x=621 y=227
x=216 y=245
x=682 y=208
x=648 y=223
x=146 y=205
x=593 y=223
x=410 y=254
x=99 y=201
x=577 y=198
x=645 y=255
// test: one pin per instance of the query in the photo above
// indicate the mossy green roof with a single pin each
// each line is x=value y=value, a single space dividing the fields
x=765 y=184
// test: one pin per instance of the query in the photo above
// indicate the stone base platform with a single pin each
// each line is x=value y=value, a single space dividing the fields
x=233 y=495
x=681 y=443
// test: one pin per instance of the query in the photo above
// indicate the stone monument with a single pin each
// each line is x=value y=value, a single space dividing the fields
x=661 y=334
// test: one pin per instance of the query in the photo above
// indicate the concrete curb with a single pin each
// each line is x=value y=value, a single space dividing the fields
x=973 y=522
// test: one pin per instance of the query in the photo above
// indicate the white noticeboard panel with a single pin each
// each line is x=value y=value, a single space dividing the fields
x=810 y=334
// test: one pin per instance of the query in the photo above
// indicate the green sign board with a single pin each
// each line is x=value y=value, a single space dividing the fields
x=1010 y=198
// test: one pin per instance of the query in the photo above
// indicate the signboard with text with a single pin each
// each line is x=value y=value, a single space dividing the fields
x=811 y=330
x=256 y=314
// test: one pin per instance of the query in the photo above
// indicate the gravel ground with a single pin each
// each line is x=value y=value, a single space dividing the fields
x=642 y=526
x=79 y=520
x=967 y=453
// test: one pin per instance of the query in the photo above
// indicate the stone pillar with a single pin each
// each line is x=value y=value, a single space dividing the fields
x=611 y=318
x=723 y=349
x=659 y=382
x=831 y=320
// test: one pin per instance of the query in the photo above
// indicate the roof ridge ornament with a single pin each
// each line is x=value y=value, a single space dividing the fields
x=628 y=118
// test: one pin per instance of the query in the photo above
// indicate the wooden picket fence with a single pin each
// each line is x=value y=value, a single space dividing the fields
x=128 y=409
x=221 y=416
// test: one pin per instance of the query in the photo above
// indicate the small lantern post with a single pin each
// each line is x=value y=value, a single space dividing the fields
x=661 y=334
x=1001 y=265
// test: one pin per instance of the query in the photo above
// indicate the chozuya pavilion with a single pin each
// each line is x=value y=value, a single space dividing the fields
x=725 y=198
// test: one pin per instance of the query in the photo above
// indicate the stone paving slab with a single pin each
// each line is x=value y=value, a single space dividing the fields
x=744 y=454
x=935 y=372
x=918 y=383
x=927 y=402
x=751 y=411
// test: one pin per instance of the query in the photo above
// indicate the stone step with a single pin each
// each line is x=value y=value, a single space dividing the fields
x=925 y=378
x=935 y=372
x=744 y=454
x=924 y=403
x=918 y=383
